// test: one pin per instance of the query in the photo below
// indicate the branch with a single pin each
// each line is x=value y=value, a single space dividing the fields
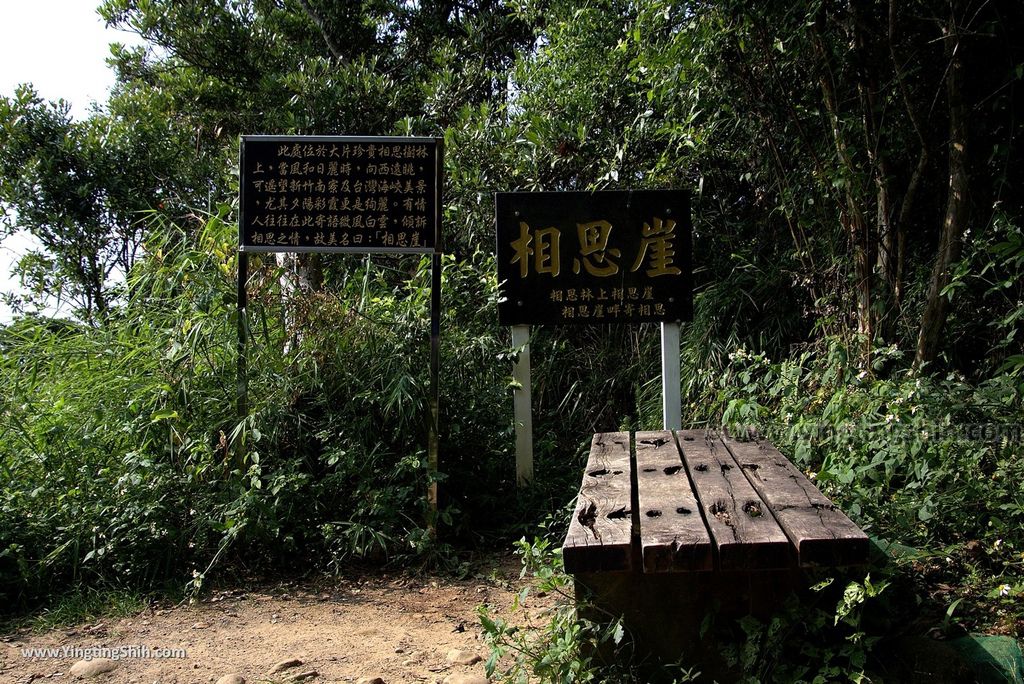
x=955 y=221
x=321 y=25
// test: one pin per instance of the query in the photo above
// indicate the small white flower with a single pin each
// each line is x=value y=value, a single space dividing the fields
x=1004 y=589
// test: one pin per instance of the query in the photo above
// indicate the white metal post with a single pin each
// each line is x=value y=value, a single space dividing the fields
x=523 y=401
x=671 y=404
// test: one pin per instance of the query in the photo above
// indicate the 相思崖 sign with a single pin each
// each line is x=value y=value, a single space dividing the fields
x=594 y=257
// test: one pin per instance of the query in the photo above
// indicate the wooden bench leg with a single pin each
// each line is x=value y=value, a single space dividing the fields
x=664 y=612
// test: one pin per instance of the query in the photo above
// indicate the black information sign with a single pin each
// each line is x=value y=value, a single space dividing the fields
x=600 y=257
x=339 y=194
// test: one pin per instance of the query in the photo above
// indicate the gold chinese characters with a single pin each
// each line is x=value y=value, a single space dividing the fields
x=541 y=249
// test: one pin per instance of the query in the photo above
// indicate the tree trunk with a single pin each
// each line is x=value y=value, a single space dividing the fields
x=300 y=273
x=955 y=221
x=851 y=215
x=898 y=236
x=879 y=240
x=859 y=233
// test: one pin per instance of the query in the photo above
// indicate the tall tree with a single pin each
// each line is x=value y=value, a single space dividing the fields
x=80 y=188
x=845 y=128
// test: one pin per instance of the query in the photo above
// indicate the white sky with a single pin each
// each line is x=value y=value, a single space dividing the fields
x=60 y=47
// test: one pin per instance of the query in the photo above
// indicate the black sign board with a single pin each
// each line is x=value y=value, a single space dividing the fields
x=339 y=194
x=594 y=257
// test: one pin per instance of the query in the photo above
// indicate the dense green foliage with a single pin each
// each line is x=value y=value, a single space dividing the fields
x=824 y=636
x=859 y=257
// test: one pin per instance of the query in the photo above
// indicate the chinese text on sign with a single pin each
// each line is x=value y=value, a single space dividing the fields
x=601 y=257
x=339 y=194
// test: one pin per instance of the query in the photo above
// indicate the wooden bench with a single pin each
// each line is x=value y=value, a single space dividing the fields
x=679 y=523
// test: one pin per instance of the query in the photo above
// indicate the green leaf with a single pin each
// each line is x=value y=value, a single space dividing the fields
x=488 y=624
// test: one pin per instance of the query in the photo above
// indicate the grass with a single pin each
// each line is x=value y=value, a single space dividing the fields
x=81 y=605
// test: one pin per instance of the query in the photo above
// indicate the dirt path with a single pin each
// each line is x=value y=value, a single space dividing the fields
x=400 y=628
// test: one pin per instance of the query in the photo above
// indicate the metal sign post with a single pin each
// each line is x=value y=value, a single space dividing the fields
x=671 y=403
x=523 y=402
x=621 y=256
x=435 y=368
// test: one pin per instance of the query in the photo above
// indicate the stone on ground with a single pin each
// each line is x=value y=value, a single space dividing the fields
x=460 y=657
x=285 y=665
x=231 y=679
x=85 y=669
x=466 y=679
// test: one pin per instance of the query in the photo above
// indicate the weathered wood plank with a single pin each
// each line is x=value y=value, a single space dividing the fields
x=673 y=536
x=745 y=534
x=820 y=532
x=600 y=532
